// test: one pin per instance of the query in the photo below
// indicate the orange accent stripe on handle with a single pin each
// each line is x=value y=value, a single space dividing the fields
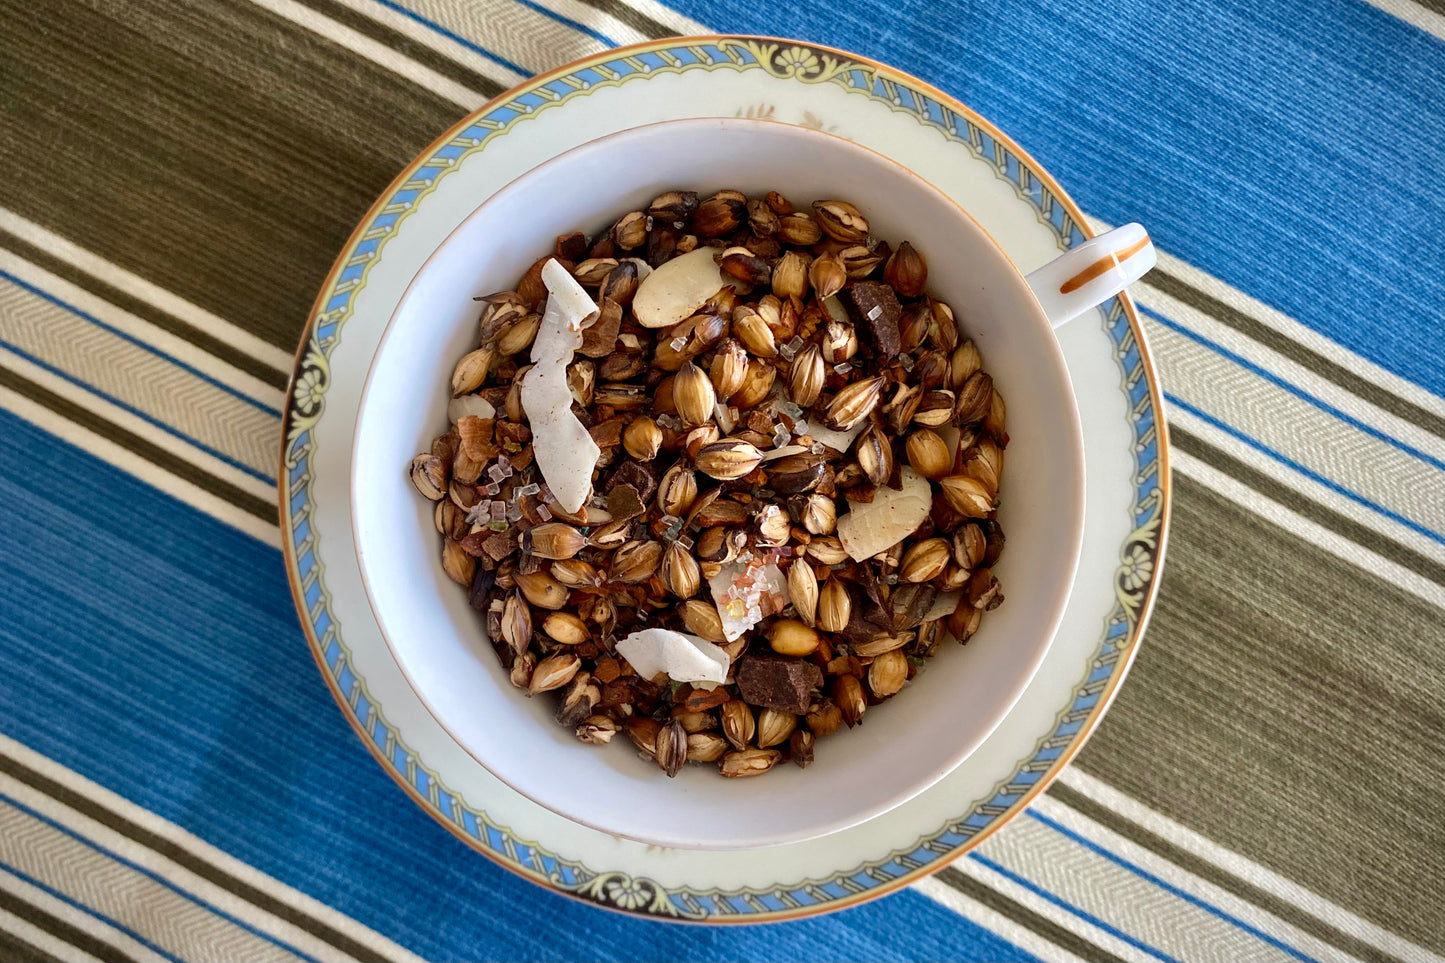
x=1102 y=266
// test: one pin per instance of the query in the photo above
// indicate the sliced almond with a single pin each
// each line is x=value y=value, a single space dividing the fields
x=674 y=291
x=892 y=516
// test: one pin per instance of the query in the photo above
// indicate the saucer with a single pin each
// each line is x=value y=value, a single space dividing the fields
x=965 y=157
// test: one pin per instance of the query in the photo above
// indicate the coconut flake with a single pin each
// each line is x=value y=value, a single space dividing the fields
x=684 y=658
x=565 y=451
x=459 y=408
x=892 y=516
x=839 y=441
x=943 y=605
x=783 y=452
x=746 y=592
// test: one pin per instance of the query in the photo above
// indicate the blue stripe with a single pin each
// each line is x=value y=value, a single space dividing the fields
x=569 y=22
x=175 y=433
x=1309 y=473
x=138 y=343
x=96 y=914
x=1174 y=890
x=456 y=37
x=1290 y=149
x=1064 y=904
x=154 y=877
x=185 y=686
x=1298 y=392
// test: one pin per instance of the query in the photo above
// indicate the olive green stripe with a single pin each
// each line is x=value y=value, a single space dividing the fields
x=633 y=17
x=58 y=928
x=15 y=950
x=210 y=147
x=1211 y=873
x=244 y=500
x=407 y=47
x=1286 y=704
x=213 y=346
x=1297 y=352
x=1362 y=535
x=1022 y=915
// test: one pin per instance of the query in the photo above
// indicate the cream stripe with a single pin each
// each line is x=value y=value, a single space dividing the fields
x=1246 y=869
x=134 y=900
x=40 y=939
x=1414 y=14
x=1112 y=894
x=668 y=17
x=1308 y=436
x=142 y=330
x=143 y=290
x=173 y=873
x=1187 y=882
x=1296 y=374
x=604 y=23
x=138 y=426
x=218 y=858
x=1304 y=486
x=150 y=384
x=1312 y=532
x=1063 y=918
x=1022 y=937
x=146 y=471
x=428 y=37
x=377 y=53
x=1284 y=324
x=77 y=918
x=531 y=40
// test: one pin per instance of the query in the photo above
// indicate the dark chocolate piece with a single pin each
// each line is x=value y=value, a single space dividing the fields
x=861 y=298
x=623 y=502
x=639 y=476
x=779 y=682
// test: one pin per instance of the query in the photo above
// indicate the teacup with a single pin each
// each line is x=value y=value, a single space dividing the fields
x=905 y=744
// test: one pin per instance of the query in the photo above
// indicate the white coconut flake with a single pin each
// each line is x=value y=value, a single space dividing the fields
x=783 y=452
x=566 y=295
x=566 y=453
x=868 y=529
x=683 y=658
x=839 y=441
x=459 y=408
x=943 y=605
x=746 y=592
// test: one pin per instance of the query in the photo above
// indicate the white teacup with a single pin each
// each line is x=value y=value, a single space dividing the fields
x=905 y=744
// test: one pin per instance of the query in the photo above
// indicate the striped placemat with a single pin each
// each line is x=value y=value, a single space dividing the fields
x=179 y=176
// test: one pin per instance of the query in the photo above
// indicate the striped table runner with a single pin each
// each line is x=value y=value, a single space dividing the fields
x=179 y=175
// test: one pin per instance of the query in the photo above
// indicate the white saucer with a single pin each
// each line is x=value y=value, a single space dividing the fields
x=1014 y=199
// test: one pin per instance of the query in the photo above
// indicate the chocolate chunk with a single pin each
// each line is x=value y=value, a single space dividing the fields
x=639 y=476
x=482 y=584
x=571 y=247
x=875 y=308
x=779 y=682
x=623 y=502
x=862 y=628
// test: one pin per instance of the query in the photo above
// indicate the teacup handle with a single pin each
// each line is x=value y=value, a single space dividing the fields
x=1092 y=273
